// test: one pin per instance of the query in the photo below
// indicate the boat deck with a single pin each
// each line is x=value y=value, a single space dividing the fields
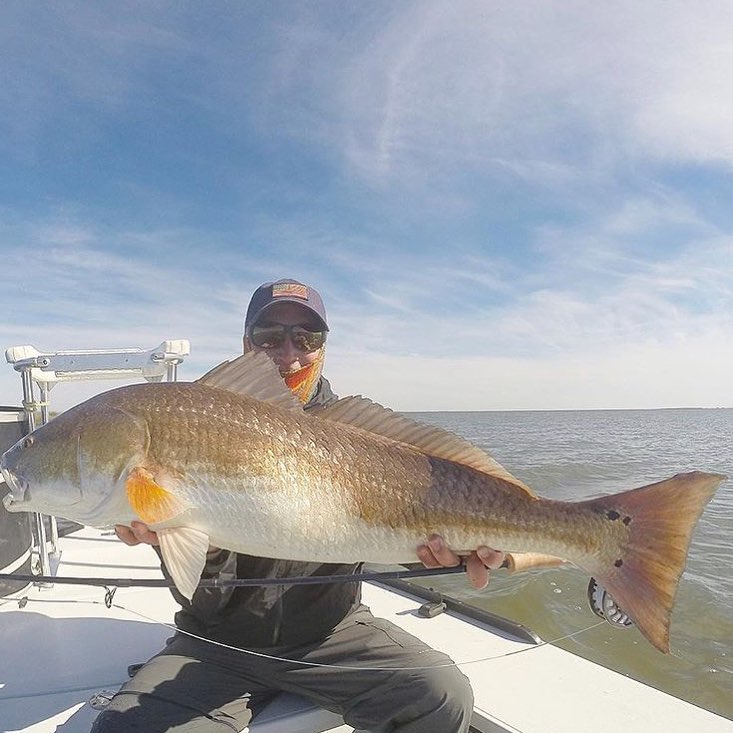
x=63 y=651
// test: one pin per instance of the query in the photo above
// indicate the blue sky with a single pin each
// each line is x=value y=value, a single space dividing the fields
x=505 y=205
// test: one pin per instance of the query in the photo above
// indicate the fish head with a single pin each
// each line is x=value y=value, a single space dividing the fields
x=75 y=465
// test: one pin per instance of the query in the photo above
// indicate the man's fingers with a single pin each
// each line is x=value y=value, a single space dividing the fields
x=126 y=534
x=136 y=533
x=437 y=554
x=492 y=559
x=478 y=573
x=444 y=556
x=426 y=557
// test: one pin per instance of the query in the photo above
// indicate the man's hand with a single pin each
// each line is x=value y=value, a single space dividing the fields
x=436 y=554
x=137 y=533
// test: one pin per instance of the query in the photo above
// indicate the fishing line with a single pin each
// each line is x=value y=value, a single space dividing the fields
x=303 y=663
x=366 y=669
x=357 y=667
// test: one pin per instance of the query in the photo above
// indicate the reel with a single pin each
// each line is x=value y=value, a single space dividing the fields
x=603 y=605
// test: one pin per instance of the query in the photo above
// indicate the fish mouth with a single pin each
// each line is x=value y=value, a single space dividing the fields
x=18 y=490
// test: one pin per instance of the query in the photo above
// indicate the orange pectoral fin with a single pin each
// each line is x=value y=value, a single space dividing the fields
x=149 y=499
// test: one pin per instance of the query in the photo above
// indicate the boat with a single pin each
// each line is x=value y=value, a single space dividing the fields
x=67 y=646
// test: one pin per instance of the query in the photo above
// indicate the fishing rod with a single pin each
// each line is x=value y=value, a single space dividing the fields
x=513 y=562
x=235 y=582
x=600 y=601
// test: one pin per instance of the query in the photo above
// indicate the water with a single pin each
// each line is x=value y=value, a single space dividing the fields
x=579 y=454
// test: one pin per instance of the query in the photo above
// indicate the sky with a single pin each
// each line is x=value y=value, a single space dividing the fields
x=505 y=205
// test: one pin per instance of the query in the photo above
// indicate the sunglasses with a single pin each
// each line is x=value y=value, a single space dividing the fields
x=273 y=336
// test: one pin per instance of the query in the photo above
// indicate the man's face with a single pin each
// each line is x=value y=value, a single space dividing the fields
x=286 y=356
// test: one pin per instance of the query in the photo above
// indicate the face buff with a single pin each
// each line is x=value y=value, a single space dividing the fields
x=304 y=381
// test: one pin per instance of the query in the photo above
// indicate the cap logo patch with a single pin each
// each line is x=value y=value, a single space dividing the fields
x=290 y=290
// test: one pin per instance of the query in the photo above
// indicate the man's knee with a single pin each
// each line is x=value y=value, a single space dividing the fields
x=425 y=701
x=447 y=695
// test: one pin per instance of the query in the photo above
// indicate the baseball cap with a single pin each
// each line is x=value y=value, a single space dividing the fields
x=284 y=291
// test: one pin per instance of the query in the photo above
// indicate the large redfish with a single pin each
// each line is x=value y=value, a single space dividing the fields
x=249 y=471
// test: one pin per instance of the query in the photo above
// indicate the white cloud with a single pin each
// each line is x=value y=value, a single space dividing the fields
x=551 y=92
x=583 y=328
x=547 y=91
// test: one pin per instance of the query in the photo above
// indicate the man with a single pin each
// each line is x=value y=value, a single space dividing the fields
x=308 y=639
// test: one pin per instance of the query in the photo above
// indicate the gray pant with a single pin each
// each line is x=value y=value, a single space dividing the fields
x=197 y=687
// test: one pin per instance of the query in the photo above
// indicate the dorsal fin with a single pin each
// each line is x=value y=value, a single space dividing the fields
x=254 y=374
x=362 y=413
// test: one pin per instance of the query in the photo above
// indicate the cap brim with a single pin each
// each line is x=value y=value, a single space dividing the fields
x=298 y=301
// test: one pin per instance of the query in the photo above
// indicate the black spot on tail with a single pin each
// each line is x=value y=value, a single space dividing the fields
x=613 y=515
x=619 y=563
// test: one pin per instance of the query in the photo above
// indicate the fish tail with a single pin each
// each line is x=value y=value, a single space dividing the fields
x=660 y=517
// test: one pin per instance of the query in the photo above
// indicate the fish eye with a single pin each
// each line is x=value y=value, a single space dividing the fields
x=28 y=441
